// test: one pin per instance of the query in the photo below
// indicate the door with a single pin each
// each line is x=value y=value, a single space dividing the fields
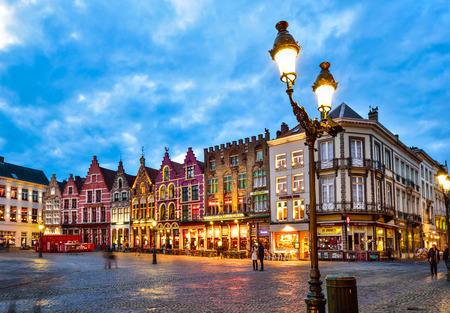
x=360 y=246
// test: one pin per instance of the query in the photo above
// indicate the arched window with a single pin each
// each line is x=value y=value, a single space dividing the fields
x=171 y=211
x=120 y=182
x=142 y=187
x=162 y=212
x=166 y=173
x=171 y=191
x=162 y=192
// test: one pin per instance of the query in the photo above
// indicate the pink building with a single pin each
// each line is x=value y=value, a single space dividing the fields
x=94 y=213
x=180 y=202
x=70 y=200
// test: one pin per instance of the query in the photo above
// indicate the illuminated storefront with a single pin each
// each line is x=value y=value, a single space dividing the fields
x=291 y=239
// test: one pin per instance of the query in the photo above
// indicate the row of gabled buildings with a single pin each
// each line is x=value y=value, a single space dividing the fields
x=374 y=195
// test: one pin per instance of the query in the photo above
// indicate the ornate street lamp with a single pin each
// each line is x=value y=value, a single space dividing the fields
x=154 y=241
x=444 y=181
x=41 y=227
x=285 y=51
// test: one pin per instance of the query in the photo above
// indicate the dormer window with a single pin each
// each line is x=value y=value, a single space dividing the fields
x=234 y=160
x=190 y=172
x=166 y=173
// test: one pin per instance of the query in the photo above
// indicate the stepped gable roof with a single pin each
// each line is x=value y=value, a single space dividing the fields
x=343 y=110
x=30 y=175
x=109 y=176
x=152 y=173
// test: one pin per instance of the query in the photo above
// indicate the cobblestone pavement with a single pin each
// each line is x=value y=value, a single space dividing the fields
x=79 y=283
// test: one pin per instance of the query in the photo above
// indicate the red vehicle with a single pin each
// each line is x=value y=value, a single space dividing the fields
x=63 y=243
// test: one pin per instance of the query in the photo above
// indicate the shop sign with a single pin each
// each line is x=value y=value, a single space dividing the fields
x=228 y=201
x=297 y=245
x=241 y=200
x=212 y=203
x=330 y=224
x=257 y=193
x=264 y=232
x=347 y=219
x=329 y=230
x=225 y=216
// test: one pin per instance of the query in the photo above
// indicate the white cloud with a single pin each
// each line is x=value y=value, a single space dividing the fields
x=80 y=4
x=179 y=158
x=7 y=20
x=183 y=86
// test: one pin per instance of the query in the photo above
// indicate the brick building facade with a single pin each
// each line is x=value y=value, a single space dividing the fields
x=70 y=200
x=237 y=177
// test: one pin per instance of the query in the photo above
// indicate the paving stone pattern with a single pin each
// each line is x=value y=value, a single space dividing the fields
x=79 y=283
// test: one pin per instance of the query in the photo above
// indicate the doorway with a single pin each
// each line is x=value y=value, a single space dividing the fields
x=360 y=246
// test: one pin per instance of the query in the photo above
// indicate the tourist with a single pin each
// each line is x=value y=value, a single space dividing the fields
x=433 y=258
x=254 y=252
x=261 y=253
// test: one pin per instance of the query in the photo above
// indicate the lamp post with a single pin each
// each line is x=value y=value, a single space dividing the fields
x=41 y=227
x=444 y=181
x=154 y=241
x=285 y=51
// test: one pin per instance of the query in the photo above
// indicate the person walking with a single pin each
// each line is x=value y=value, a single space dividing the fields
x=445 y=255
x=433 y=258
x=187 y=248
x=254 y=253
x=261 y=256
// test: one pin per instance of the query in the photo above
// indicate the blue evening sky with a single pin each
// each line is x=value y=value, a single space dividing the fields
x=82 y=78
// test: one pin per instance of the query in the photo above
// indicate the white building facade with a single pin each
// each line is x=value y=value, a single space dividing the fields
x=21 y=203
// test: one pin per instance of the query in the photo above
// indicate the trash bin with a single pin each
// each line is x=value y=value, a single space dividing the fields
x=341 y=294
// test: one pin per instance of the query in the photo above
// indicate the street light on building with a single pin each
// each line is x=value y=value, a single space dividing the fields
x=285 y=51
x=444 y=181
x=41 y=228
x=154 y=241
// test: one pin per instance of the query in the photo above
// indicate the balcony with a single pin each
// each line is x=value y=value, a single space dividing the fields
x=354 y=207
x=366 y=163
x=327 y=164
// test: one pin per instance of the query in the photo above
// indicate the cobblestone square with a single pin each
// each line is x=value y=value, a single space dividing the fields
x=79 y=283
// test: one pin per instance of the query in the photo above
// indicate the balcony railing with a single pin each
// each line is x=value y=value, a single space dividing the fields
x=327 y=164
x=360 y=207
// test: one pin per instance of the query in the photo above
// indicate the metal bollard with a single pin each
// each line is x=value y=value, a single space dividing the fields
x=341 y=294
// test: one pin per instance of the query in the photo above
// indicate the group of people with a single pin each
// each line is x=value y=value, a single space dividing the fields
x=258 y=252
x=434 y=258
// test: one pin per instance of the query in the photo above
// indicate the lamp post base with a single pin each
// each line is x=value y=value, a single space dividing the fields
x=315 y=301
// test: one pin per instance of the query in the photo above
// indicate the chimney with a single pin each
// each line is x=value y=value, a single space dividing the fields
x=284 y=128
x=373 y=114
x=2 y=159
